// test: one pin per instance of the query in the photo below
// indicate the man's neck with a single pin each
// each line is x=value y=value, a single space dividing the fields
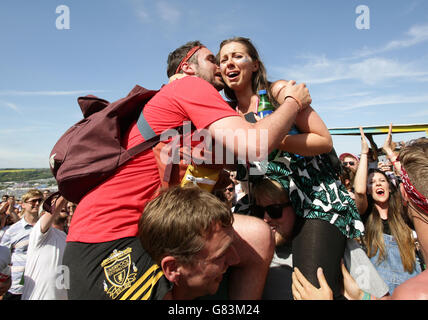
x=181 y=293
x=30 y=218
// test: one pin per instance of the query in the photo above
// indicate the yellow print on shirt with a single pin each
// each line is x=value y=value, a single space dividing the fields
x=117 y=269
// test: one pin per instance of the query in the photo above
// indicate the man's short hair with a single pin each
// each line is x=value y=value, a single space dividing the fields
x=414 y=158
x=175 y=222
x=175 y=57
x=270 y=190
x=31 y=194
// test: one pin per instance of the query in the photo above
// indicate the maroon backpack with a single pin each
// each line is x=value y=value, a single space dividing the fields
x=90 y=151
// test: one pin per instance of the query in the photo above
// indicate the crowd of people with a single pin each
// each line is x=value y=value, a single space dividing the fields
x=28 y=255
x=305 y=224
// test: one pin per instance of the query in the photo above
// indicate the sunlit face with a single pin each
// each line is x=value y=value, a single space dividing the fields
x=281 y=227
x=31 y=206
x=236 y=66
x=351 y=163
x=204 y=275
x=208 y=69
x=378 y=187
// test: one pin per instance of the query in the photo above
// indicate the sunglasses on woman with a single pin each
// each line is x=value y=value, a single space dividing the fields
x=351 y=163
x=274 y=210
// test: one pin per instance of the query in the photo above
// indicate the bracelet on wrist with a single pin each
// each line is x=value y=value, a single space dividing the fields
x=300 y=106
x=367 y=296
x=4 y=277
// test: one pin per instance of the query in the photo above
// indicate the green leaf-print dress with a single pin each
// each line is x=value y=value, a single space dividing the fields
x=315 y=191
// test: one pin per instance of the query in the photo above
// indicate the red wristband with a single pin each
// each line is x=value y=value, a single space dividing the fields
x=4 y=277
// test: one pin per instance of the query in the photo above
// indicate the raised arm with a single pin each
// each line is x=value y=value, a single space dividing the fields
x=11 y=210
x=266 y=134
x=389 y=150
x=314 y=138
x=360 y=181
x=48 y=218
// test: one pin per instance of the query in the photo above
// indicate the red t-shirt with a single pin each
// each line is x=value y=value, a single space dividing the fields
x=111 y=211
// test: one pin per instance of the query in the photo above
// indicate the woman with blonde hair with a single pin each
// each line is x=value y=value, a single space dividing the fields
x=388 y=239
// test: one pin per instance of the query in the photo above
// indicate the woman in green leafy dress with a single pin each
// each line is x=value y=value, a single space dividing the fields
x=304 y=165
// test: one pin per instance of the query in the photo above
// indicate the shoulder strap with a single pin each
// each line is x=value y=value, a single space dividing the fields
x=144 y=127
x=151 y=139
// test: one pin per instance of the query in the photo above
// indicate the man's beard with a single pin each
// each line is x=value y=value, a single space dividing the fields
x=281 y=240
x=217 y=82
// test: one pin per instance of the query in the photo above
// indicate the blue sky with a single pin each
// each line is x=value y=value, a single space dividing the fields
x=356 y=76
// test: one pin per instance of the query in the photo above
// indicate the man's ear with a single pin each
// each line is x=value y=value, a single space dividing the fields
x=170 y=268
x=188 y=68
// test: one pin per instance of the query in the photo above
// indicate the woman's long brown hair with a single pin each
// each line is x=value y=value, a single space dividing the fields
x=401 y=232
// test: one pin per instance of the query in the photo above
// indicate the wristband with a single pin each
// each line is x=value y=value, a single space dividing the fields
x=4 y=277
x=298 y=102
x=367 y=296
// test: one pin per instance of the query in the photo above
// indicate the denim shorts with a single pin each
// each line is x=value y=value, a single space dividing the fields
x=391 y=269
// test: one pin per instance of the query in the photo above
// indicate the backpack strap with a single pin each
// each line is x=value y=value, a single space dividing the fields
x=144 y=127
x=151 y=139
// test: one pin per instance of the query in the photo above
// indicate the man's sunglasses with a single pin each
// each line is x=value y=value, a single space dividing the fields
x=351 y=163
x=34 y=201
x=274 y=210
x=231 y=189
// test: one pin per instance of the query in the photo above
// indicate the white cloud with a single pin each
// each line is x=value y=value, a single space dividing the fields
x=141 y=11
x=321 y=70
x=416 y=35
x=10 y=105
x=167 y=12
x=378 y=100
x=46 y=93
x=23 y=159
x=162 y=10
x=326 y=97
x=421 y=114
x=142 y=15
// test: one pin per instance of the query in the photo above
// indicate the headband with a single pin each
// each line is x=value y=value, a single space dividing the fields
x=418 y=198
x=187 y=57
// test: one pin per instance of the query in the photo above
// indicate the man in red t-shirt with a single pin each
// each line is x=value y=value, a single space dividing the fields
x=105 y=258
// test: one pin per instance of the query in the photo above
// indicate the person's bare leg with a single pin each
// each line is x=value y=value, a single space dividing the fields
x=255 y=246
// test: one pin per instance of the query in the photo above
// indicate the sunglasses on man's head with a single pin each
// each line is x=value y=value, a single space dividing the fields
x=351 y=163
x=274 y=210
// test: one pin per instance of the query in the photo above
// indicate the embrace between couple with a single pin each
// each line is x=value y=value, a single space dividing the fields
x=108 y=225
